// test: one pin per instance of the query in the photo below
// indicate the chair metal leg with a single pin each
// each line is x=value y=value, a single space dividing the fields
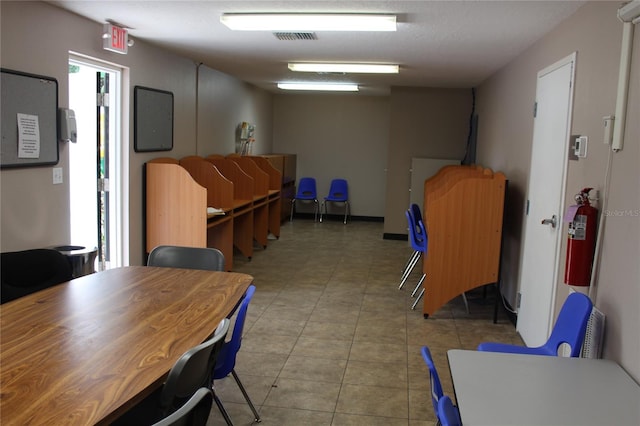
x=413 y=307
x=405 y=270
x=323 y=211
x=346 y=211
x=246 y=396
x=224 y=413
x=466 y=304
x=415 y=290
x=293 y=202
x=412 y=264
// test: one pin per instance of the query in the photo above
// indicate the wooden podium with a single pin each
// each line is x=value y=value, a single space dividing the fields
x=463 y=212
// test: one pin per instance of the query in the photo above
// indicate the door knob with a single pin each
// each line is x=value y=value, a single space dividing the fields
x=553 y=221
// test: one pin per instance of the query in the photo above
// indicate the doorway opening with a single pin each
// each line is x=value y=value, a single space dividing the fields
x=97 y=161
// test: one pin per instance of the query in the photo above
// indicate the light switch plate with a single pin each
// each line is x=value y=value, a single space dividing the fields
x=57 y=175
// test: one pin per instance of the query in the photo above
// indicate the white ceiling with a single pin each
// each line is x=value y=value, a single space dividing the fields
x=453 y=44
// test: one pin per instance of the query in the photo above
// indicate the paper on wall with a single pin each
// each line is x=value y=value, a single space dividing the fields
x=28 y=136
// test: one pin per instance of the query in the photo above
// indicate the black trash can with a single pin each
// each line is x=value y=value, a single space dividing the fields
x=81 y=259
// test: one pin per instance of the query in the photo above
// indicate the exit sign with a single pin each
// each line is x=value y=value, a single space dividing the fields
x=115 y=39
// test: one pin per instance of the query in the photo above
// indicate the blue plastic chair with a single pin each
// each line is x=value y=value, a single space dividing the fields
x=448 y=414
x=306 y=192
x=415 y=256
x=434 y=379
x=419 y=241
x=415 y=211
x=423 y=240
x=338 y=193
x=570 y=329
x=226 y=360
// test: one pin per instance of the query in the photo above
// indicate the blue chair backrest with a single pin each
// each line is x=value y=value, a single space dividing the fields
x=339 y=190
x=415 y=210
x=226 y=360
x=436 y=386
x=307 y=189
x=448 y=413
x=412 y=231
x=571 y=324
x=417 y=233
x=421 y=236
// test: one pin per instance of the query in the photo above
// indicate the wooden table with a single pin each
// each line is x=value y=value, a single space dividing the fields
x=514 y=389
x=85 y=351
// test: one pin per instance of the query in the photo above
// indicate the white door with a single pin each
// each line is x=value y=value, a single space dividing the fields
x=547 y=181
x=95 y=160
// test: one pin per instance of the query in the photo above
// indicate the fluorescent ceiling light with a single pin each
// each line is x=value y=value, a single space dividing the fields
x=332 y=87
x=345 y=68
x=308 y=22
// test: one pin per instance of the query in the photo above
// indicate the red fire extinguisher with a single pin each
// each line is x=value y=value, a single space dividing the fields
x=582 y=241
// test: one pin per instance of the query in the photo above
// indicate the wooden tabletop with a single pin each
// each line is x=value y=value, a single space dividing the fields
x=85 y=351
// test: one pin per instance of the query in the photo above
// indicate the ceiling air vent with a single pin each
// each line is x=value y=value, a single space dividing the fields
x=296 y=36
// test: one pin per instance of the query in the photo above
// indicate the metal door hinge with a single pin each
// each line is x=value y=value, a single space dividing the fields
x=102 y=99
x=103 y=185
x=535 y=109
x=518 y=300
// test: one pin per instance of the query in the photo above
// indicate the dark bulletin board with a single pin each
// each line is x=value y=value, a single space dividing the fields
x=153 y=119
x=29 y=107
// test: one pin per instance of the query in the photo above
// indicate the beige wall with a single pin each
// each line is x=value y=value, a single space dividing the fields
x=34 y=212
x=223 y=103
x=337 y=136
x=425 y=123
x=505 y=103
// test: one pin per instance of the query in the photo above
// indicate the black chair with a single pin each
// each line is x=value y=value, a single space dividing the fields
x=28 y=271
x=195 y=412
x=208 y=259
x=190 y=372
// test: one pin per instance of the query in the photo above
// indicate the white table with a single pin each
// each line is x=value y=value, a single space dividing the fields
x=513 y=389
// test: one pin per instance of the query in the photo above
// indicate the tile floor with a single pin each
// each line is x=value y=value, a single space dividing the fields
x=329 y=338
